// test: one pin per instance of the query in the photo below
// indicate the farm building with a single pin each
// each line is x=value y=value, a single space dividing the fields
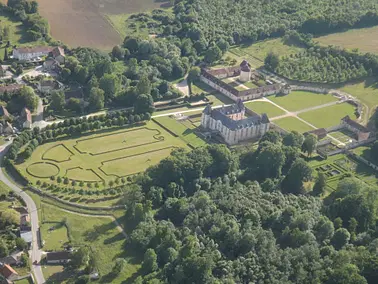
x=29 y=53
x=47 y=86
x=58 y=257
x=4 y=112
x=361 y=131
x=58 y=54
x=8 y=272
x=230 y=122
x=213 y=78
x=11 y=88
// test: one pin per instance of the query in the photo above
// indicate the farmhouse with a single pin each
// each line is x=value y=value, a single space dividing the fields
x=8 y=128
x=361 y=131
x=11 y=88
x=47 y=86
x=8 y=272
x=26 y=118
x=29 y=53
x=58 y=257
x=4 y=112
x=51 y=65
x=58 y=54
x=12 y=259
x=232 y=125
x=213 y=78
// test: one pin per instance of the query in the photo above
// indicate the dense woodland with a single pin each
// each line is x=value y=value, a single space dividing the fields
x=213 y=216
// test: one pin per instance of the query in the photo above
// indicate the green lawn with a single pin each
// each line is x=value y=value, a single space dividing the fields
x=366 y=92
x=83 y=158
x=329 y=116
x=298 y=100
x=54 y=235
x=186 y=133
x=264 y=107
x=365 y=39
x=101 y=235
x=293 y=123
x=250 y=85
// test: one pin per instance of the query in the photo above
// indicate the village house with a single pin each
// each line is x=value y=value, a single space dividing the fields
x=26 y=118
x=8 y=272
x=14 y=258
x=51 y=65
x=8 y=128
x=4 y=114
x=230 y=122
x=320 y=133
x=10 y=89
x=27 y=236
x=30 y=53
x=47 y=86
x=213 y=78
x=58 y=257
x=361 y=131
x=58 y=54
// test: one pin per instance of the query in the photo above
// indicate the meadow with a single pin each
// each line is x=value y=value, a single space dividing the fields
x=101 y=156
x=100 y=234
x=329 y=116
x=300 y=100
x=365 y=39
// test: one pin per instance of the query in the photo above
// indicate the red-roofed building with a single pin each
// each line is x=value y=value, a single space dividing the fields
x=361 y=131
x=8 y=272
x=58 y=54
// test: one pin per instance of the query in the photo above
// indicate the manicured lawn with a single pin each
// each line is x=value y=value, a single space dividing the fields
x=82 y=158
x=298 y=100
x=366 y=92
x=187 y=134
x=328 y=116
x=293 y=123
x=250 y=85
x=101 y=235
x=264 y=107
x=365 y=40
x=54 y=235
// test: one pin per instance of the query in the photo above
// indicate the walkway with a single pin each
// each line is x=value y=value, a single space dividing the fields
x=36 y=251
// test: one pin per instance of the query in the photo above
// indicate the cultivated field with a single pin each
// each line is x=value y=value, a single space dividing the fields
x=103 y=156
x=84 y=22
x=365 y=40
x=299 y=100
x=329 y=116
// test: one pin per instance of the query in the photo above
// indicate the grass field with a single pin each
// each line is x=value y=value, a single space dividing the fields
x=264 y=107
x=250 y=85
x=54 y=235
x=329 y=116
x=292 y=123
x=183 y=129
x=366 y=92
x=101 y=235
x=299 y=100
x=366 y=39
x=90 y=158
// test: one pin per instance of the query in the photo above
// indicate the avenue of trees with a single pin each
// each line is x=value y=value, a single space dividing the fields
x=215 y=216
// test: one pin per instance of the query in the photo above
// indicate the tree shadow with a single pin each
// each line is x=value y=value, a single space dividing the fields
x=93 y=235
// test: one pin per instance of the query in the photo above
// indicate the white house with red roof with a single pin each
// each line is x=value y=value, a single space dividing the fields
x=29 y=53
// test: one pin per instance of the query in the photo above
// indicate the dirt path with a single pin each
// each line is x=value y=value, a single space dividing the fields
x=183 y=87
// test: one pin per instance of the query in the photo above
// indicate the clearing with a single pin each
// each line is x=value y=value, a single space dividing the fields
x=329 y=116
x=365 y=40
x=85 y=22
x=299 y=100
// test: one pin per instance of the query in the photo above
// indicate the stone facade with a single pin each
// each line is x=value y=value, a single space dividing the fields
x=361 y=131
x=230 y=122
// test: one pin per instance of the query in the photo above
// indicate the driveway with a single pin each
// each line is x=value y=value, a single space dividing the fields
x=36 y=251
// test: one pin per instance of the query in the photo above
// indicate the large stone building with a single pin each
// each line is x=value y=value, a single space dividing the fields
x=230 y=122
x=214 y=77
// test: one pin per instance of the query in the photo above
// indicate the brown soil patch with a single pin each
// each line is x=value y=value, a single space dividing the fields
x=83 y=22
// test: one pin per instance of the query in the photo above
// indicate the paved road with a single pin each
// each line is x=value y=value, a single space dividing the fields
x=33 y=211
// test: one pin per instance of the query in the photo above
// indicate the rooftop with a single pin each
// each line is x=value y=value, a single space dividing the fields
x=355 y=124
x=26 y=114
x=27 y=236
x=36 y=49
x=6 y=270
x=3 y=111
x=58 y=255
x=57 y=51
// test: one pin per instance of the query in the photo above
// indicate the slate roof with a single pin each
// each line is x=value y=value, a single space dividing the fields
x=58 y=255
x=355 y=124
x=27 y=236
